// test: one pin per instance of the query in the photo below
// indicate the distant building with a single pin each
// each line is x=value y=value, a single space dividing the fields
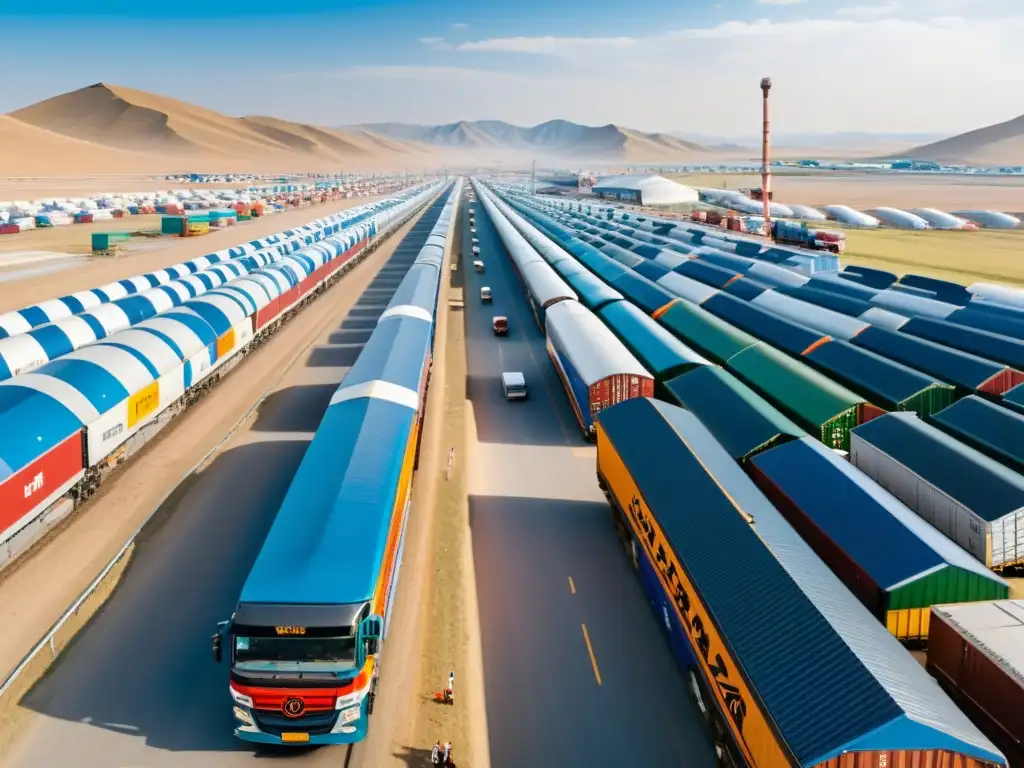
x=644 y=189
x=915 y=165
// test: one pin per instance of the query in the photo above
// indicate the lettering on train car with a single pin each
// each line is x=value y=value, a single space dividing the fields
x=36 y=484
x=114 y=431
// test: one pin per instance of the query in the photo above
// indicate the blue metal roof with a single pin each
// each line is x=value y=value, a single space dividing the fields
x=709 y=274
x=738 y=418
x=32 y=423
x=418 y=288
x=789 y=622
x=961 y=368
x=889 y=541
x=985 y=344
x=847 y=305
x=594 y=293
x=980 y=483
x=100 y=387
x=394 y=353
x=885 y=383
x=767 y=326
x=992 y=429
x=651 y=270
x=1015 y=398
x=327 y=542
x=1003 y=324
x=660 y=352
x=647 y=295
x=215 y=319
x=745 y=288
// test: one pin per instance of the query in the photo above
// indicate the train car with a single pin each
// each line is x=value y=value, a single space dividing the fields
x=977 y=655
x=321 y=590
x=738 y=418
x=596 y=369
x=794 y=338
x=712 y=337
x=889 y=558
x=995 y=431
x=659 y=352
x=786 y=665
x=593 y=292
x=991 y=346
x=973 y=499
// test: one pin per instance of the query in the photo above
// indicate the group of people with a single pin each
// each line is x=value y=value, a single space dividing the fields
x=442 y=755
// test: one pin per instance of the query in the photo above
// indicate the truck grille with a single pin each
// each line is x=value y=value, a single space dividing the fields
x=313 y=723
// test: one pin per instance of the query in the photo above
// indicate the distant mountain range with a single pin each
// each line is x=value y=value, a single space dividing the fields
x=848 y=140
x=556 y=138
x=1001 y=144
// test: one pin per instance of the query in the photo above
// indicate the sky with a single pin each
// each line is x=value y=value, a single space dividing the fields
x=885 y=66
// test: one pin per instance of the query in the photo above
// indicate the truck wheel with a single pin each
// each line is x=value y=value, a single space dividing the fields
x=371 y=697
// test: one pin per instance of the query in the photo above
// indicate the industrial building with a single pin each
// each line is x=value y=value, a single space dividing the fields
x=644 y=189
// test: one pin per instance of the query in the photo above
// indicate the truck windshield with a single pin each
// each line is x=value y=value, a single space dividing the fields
x=270 y=652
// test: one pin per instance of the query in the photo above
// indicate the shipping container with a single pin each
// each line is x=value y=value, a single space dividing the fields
x=790 y=669
x=991 y=346
x=894 y=562
x=660 y=353
x=992 y=429
x=969 y=373
x=596 y=369
x=884 y=383
x=699 y=329
x=976 y=652
x=737 y=416
x=647 y=295
x=780 y=333
x=972 y=499
x=827 y=410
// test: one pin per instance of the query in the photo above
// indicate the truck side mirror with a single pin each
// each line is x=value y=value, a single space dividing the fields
x=217 y=653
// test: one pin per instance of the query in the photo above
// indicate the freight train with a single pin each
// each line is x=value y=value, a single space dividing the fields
x=71 y=422
x=306 y=641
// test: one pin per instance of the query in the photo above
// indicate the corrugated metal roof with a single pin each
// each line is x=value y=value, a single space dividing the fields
x=784 y=599
x=343 y=493
x=738 y=418
x=647 y=295
x=991 y=346
x=767 y=326
x=885 y=383
x=594 y=350
x=980 y=483
x=951 y=365
x=890 y=542
x=996 y=628
x=707 y=334
x=796 y=387
x=394 y=353
x=992 y=429
x=709 y=274
x=659 y=351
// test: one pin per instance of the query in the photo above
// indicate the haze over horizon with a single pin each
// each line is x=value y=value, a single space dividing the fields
x=938 y=67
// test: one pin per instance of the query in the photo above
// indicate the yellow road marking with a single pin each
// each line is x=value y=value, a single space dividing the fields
x=590 y=650
x=572 y=586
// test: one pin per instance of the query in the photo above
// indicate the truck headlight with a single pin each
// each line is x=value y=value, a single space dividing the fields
x=240 y=698
x=350 y=715
x=244 y=716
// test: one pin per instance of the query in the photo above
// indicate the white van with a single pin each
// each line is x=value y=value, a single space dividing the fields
x=514 y=385
x=485 y=294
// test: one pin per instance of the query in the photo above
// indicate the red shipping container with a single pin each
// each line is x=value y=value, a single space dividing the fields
x=618 y=387
x=9 y=229
x=84 y=218
x=268 y=313
x=23 y=492
x=1002 y=382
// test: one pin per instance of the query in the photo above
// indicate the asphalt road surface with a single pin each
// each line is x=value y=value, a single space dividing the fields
x=138 y=687
x=577 y=671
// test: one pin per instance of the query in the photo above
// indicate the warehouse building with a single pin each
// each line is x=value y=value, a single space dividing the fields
x=644 y=189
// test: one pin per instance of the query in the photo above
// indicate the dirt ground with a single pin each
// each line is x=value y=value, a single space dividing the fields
x=42 y=187
x=870 y=190
x=35 y=590
x=963 y=257
x=144 y=255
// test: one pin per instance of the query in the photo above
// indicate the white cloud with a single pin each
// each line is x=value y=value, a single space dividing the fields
x=460 y=25
x=781 y=2
x=868 y=11
x=844 y=73
x=436 y=43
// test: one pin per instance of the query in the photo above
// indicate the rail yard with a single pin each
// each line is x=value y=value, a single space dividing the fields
x=727 y=502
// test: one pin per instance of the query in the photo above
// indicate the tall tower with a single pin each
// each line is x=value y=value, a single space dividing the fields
x=766 y=174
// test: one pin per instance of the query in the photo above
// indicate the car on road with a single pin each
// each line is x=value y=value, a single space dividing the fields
x=513 y=384
x=476 y=241
x=472 y=230
x=478 y=265
x=485 y=293
x=476 y=250
x=500 y=325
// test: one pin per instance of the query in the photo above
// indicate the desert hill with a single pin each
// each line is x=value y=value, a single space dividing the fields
x=168 y=134
x=557 y=138
x=999 y=144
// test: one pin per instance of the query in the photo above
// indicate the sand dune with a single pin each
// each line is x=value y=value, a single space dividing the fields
x=1000 y=144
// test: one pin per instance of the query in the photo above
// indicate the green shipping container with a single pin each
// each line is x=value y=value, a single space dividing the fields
x=825 y=409
x=172 y=225
x=707 y=334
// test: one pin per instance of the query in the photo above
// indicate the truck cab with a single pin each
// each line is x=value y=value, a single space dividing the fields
x=500 y=325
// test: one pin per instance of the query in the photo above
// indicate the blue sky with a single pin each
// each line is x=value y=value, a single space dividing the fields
x=935 y=66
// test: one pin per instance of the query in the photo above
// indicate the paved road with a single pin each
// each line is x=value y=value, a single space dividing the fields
x=576 y=668
x=139 y=687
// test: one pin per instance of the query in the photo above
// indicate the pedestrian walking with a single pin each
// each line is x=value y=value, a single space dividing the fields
x=435 y=753
x=449 y=757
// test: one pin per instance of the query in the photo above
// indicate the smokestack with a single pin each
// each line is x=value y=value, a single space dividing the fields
x=766 y=175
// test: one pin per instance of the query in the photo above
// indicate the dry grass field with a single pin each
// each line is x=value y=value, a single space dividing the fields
x=963 y=257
